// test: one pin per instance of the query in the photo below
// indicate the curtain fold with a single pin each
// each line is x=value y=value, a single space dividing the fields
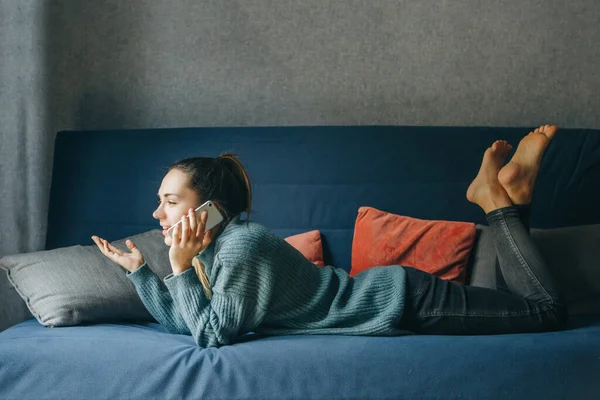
x=26 y=141
x=26 y=144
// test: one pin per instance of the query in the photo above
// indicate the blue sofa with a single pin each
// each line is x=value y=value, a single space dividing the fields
x=304 y=178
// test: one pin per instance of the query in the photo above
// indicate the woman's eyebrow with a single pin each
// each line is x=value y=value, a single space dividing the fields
x=168 y=194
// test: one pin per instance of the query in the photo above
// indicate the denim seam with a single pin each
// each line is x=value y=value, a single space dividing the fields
x=494 y=315
x=524 y=263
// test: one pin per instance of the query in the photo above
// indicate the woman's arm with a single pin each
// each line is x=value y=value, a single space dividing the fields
x=148 y=286
x=158 y=300
x=226 y=316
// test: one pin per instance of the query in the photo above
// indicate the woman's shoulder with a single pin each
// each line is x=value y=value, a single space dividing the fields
x=251 y=236
x=238 y=227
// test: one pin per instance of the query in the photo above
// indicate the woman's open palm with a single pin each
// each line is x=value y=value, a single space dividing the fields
x=130 y=261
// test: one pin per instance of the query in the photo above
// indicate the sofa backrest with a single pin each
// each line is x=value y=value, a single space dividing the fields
x=304 y=178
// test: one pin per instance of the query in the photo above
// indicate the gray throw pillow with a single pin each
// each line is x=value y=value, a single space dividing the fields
x=78 y=284
x=482 y=271
x=572 y=255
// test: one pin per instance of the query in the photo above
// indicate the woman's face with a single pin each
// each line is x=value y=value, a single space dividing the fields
x=174 y=200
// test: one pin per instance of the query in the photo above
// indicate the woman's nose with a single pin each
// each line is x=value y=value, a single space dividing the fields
x=157 y=213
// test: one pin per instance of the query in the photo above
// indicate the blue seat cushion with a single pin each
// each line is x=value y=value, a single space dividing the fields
x=145 y=362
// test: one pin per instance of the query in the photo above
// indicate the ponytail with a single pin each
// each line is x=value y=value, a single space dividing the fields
x=239 y=171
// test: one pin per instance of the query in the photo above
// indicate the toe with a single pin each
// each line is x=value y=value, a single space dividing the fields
x=549 y=130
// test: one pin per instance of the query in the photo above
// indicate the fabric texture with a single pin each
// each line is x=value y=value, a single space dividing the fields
x=572 y=255
x=144 y=361
x=310 y=245
x=78 y=284
x=438 y=306
x=261 y=284
x=482 y=271
x=441 y=248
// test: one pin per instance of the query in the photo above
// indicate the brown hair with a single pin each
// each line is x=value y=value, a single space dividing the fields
x=224 y=181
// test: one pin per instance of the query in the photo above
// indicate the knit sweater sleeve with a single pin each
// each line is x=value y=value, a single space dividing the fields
x=158 y=300
x=227 y=315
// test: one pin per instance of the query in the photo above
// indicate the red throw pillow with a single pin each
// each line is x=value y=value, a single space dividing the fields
x=310 y=245
x=440 y=248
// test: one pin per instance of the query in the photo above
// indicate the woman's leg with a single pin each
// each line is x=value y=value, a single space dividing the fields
x=524 y=213
x=523 y=267
x=518 y=179
x=436 y=306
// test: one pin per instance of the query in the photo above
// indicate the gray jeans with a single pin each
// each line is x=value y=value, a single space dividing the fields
x=529 y=301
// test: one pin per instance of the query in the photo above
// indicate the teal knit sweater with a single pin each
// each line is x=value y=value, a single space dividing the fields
x=262 y=284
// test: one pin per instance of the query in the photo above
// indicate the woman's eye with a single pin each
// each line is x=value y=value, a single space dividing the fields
x=172 y=203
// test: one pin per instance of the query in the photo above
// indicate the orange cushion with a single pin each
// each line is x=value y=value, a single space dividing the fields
x=310 y=245
x=441 y=248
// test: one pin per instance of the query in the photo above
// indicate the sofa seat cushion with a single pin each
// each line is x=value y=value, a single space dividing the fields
x=145 y=362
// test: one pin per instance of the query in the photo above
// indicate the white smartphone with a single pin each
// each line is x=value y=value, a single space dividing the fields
x=214 y=217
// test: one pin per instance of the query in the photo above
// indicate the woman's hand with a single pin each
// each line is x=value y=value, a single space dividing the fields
x=189 y=239
x=130 y=261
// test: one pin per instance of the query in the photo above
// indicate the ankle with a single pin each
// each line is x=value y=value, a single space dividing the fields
x=495 y=199
x=502 y=212
x=495 y=206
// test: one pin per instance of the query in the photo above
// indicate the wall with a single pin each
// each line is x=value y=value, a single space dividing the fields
x=189 y=63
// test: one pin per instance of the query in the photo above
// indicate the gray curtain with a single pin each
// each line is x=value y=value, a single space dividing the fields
x=76 y=64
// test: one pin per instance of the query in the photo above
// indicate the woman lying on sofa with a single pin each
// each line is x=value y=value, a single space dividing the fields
x=239 y=277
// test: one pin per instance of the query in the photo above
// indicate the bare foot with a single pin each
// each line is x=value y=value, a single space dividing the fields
x=518 y=176
x=485 y=190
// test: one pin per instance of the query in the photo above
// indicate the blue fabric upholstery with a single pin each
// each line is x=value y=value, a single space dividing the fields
x=115 y=361
x=304 y=178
